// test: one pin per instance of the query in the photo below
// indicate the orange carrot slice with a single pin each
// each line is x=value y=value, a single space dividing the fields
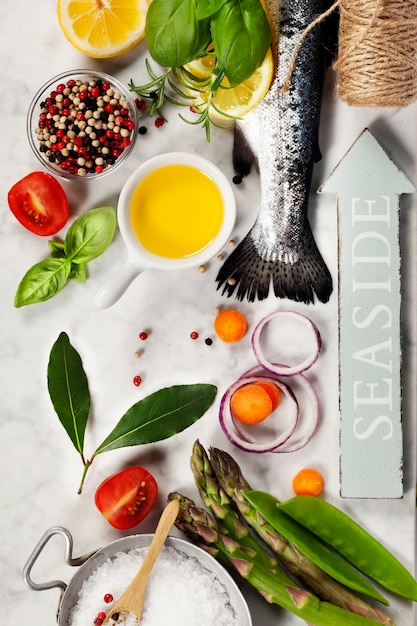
x=230 y=325
x=272 y=390
x=308 y=482
x=251 y=404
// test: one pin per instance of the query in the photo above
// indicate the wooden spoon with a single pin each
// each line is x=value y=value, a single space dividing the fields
x=132 y=599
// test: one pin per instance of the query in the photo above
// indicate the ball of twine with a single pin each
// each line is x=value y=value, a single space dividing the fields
x=377 y=56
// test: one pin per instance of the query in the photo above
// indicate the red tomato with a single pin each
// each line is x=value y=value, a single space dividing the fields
x=39 y=203
x=127 y=497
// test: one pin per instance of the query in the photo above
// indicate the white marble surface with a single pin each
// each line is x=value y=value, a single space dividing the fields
x=39 y=467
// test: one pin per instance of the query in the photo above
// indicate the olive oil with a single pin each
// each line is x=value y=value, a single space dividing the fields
x=176 y=211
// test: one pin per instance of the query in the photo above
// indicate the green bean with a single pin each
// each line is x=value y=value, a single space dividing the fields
x=307 y=543
x=353 y=542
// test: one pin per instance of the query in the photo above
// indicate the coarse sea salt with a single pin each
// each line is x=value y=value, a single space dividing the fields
x=180 y=591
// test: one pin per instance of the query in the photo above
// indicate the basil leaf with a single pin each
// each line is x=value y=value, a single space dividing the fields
x=68 y=389
x=78 y=272
x=90 y=235
x=57 y=249
x=174 y=34
x=160 y=415
x=42 y=281
x=206 y=8
x=241 y=37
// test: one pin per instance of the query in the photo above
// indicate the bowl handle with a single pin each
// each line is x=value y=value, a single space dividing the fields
x=69 y=559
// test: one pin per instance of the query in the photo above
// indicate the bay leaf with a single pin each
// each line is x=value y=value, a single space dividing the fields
x=68 y=389
x=160 y=415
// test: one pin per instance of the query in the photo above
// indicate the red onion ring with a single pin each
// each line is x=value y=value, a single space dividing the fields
x=284 y=370
x=311 y=424
x=240 y=440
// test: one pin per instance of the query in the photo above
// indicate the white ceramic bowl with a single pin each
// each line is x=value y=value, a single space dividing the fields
x=139 y=258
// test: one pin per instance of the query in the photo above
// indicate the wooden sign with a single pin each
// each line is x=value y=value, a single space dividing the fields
x=368 y=185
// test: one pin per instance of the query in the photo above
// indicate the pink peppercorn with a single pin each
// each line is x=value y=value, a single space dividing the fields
x=108 y=598
x=143 y=335
x=137 y=380
x=194 y=335
x=159 y=122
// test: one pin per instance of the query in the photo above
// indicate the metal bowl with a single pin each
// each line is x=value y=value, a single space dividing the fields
x=88 y=564
x=46 y=116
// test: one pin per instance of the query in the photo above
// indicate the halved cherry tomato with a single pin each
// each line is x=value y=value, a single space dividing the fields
x=40 y=204
x=127 y=497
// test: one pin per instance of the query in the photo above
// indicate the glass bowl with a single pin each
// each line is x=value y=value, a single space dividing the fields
x=82 y=124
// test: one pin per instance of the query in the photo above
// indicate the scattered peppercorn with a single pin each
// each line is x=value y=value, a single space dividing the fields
x=140 y=104
x=142 y=130
x=231 y=281
x=237 y=179
x=137 y=354
x=208 y=341
x=220 y=257
x=194 y=335
x=202 y=269
x=143 y=335
x=108 y=598
x=84 y=126
x=137 y=380
x=159 y=122
x=232 y=243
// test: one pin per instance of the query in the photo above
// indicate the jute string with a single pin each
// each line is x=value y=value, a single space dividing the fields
x=377 y=57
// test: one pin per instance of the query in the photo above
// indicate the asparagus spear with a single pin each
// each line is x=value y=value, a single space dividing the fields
x=275 y=586
x=232 y=481
x=219 y=503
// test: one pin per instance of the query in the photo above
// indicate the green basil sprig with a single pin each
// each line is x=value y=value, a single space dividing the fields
x=158 y=416
x=87 y=238
x=178 y=31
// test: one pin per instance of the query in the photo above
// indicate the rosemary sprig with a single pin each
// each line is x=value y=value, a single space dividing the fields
x=174 y=86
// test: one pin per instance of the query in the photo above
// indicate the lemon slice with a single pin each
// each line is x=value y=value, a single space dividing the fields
x=103 y=28
x=236 y=101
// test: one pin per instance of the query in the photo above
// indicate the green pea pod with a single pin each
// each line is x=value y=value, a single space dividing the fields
x=173 y=33
x=330 y=563
x=353 y=542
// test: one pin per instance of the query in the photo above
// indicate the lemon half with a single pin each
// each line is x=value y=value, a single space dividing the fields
x=103 y=28
x=236 y=101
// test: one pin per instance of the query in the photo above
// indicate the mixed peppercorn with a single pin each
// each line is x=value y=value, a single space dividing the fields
x=84 y=126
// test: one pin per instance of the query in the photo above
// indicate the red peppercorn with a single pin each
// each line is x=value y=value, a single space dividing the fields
x=194 y=335
x=109 y=108
x=60 y=88
x=95 y=92
x=98 y=169
x=105 y=86
x=143 y=335
x=101 y=615
x=108 y=598
x=159 y=122
x=70 y=82
x=137 y=380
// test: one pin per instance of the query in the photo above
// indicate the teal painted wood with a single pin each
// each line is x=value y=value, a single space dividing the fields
x=368 y=185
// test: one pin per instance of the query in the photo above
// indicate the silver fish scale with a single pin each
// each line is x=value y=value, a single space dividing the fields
x=282 y=133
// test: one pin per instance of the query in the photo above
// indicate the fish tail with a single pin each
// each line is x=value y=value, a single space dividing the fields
x=250 y=276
